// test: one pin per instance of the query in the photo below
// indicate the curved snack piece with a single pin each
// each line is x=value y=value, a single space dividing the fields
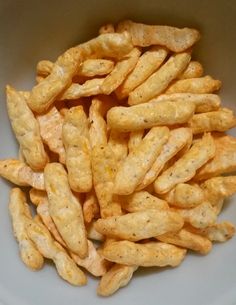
x=200 y=85
x=117 y=277
x=140 y=225
x=50 y=125
x=65 y=209
x=219 y=188
x=90 y=87
x=219 y=232
x=43 y=212
x=26 y=129
x=20 y=214
x=175 y=39
x=141 y=201
x=120 y=71
x=146 y=255
x=151 y=114
x=220 y=120
x=188 y=240
x=91 y=207
x=104 y=167
x=89 y=68
x=49 y=248
x=224 y=160
x=160 y=79
x=98 y=127
x=75 y=134
x=185 y=195
x=66 y=66
x=201 y=216
x=194 y=69
x=185 y=168
x=138 y=162
x=118 y=142
x=93 y=263
x=135 y=139
x=203 y=102
x=95 y=67
x=177 y=140
x=147 y=64
x=21 y=174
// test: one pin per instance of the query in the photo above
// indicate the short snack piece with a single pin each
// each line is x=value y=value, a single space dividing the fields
x=219 y=188
x=185 y=168
x=188 y=240
x=118 y=276
x=140 y=225
x=200 y=85
x=75 y=134
x=88 y=88
x=50 y=124
x=26 y=129
x=220 y=120
x=104 y=166
x=141 y=201
x=98 y=127
x=201 y=216
x=194 y=69
x=185 y=195
x=21 y=174
x=219 y=232
x=145 y=255
x=138 y=162
x=224 y=160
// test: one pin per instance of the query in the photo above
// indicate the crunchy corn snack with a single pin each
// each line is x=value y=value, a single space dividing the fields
x=26 y=129
x=122 y=142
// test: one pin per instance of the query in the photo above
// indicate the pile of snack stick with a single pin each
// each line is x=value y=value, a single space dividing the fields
x=123 y=154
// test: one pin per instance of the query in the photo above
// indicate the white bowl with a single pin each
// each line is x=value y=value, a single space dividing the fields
x=34 y=30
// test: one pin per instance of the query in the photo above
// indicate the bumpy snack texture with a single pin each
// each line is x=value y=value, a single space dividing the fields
x=123 y=157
